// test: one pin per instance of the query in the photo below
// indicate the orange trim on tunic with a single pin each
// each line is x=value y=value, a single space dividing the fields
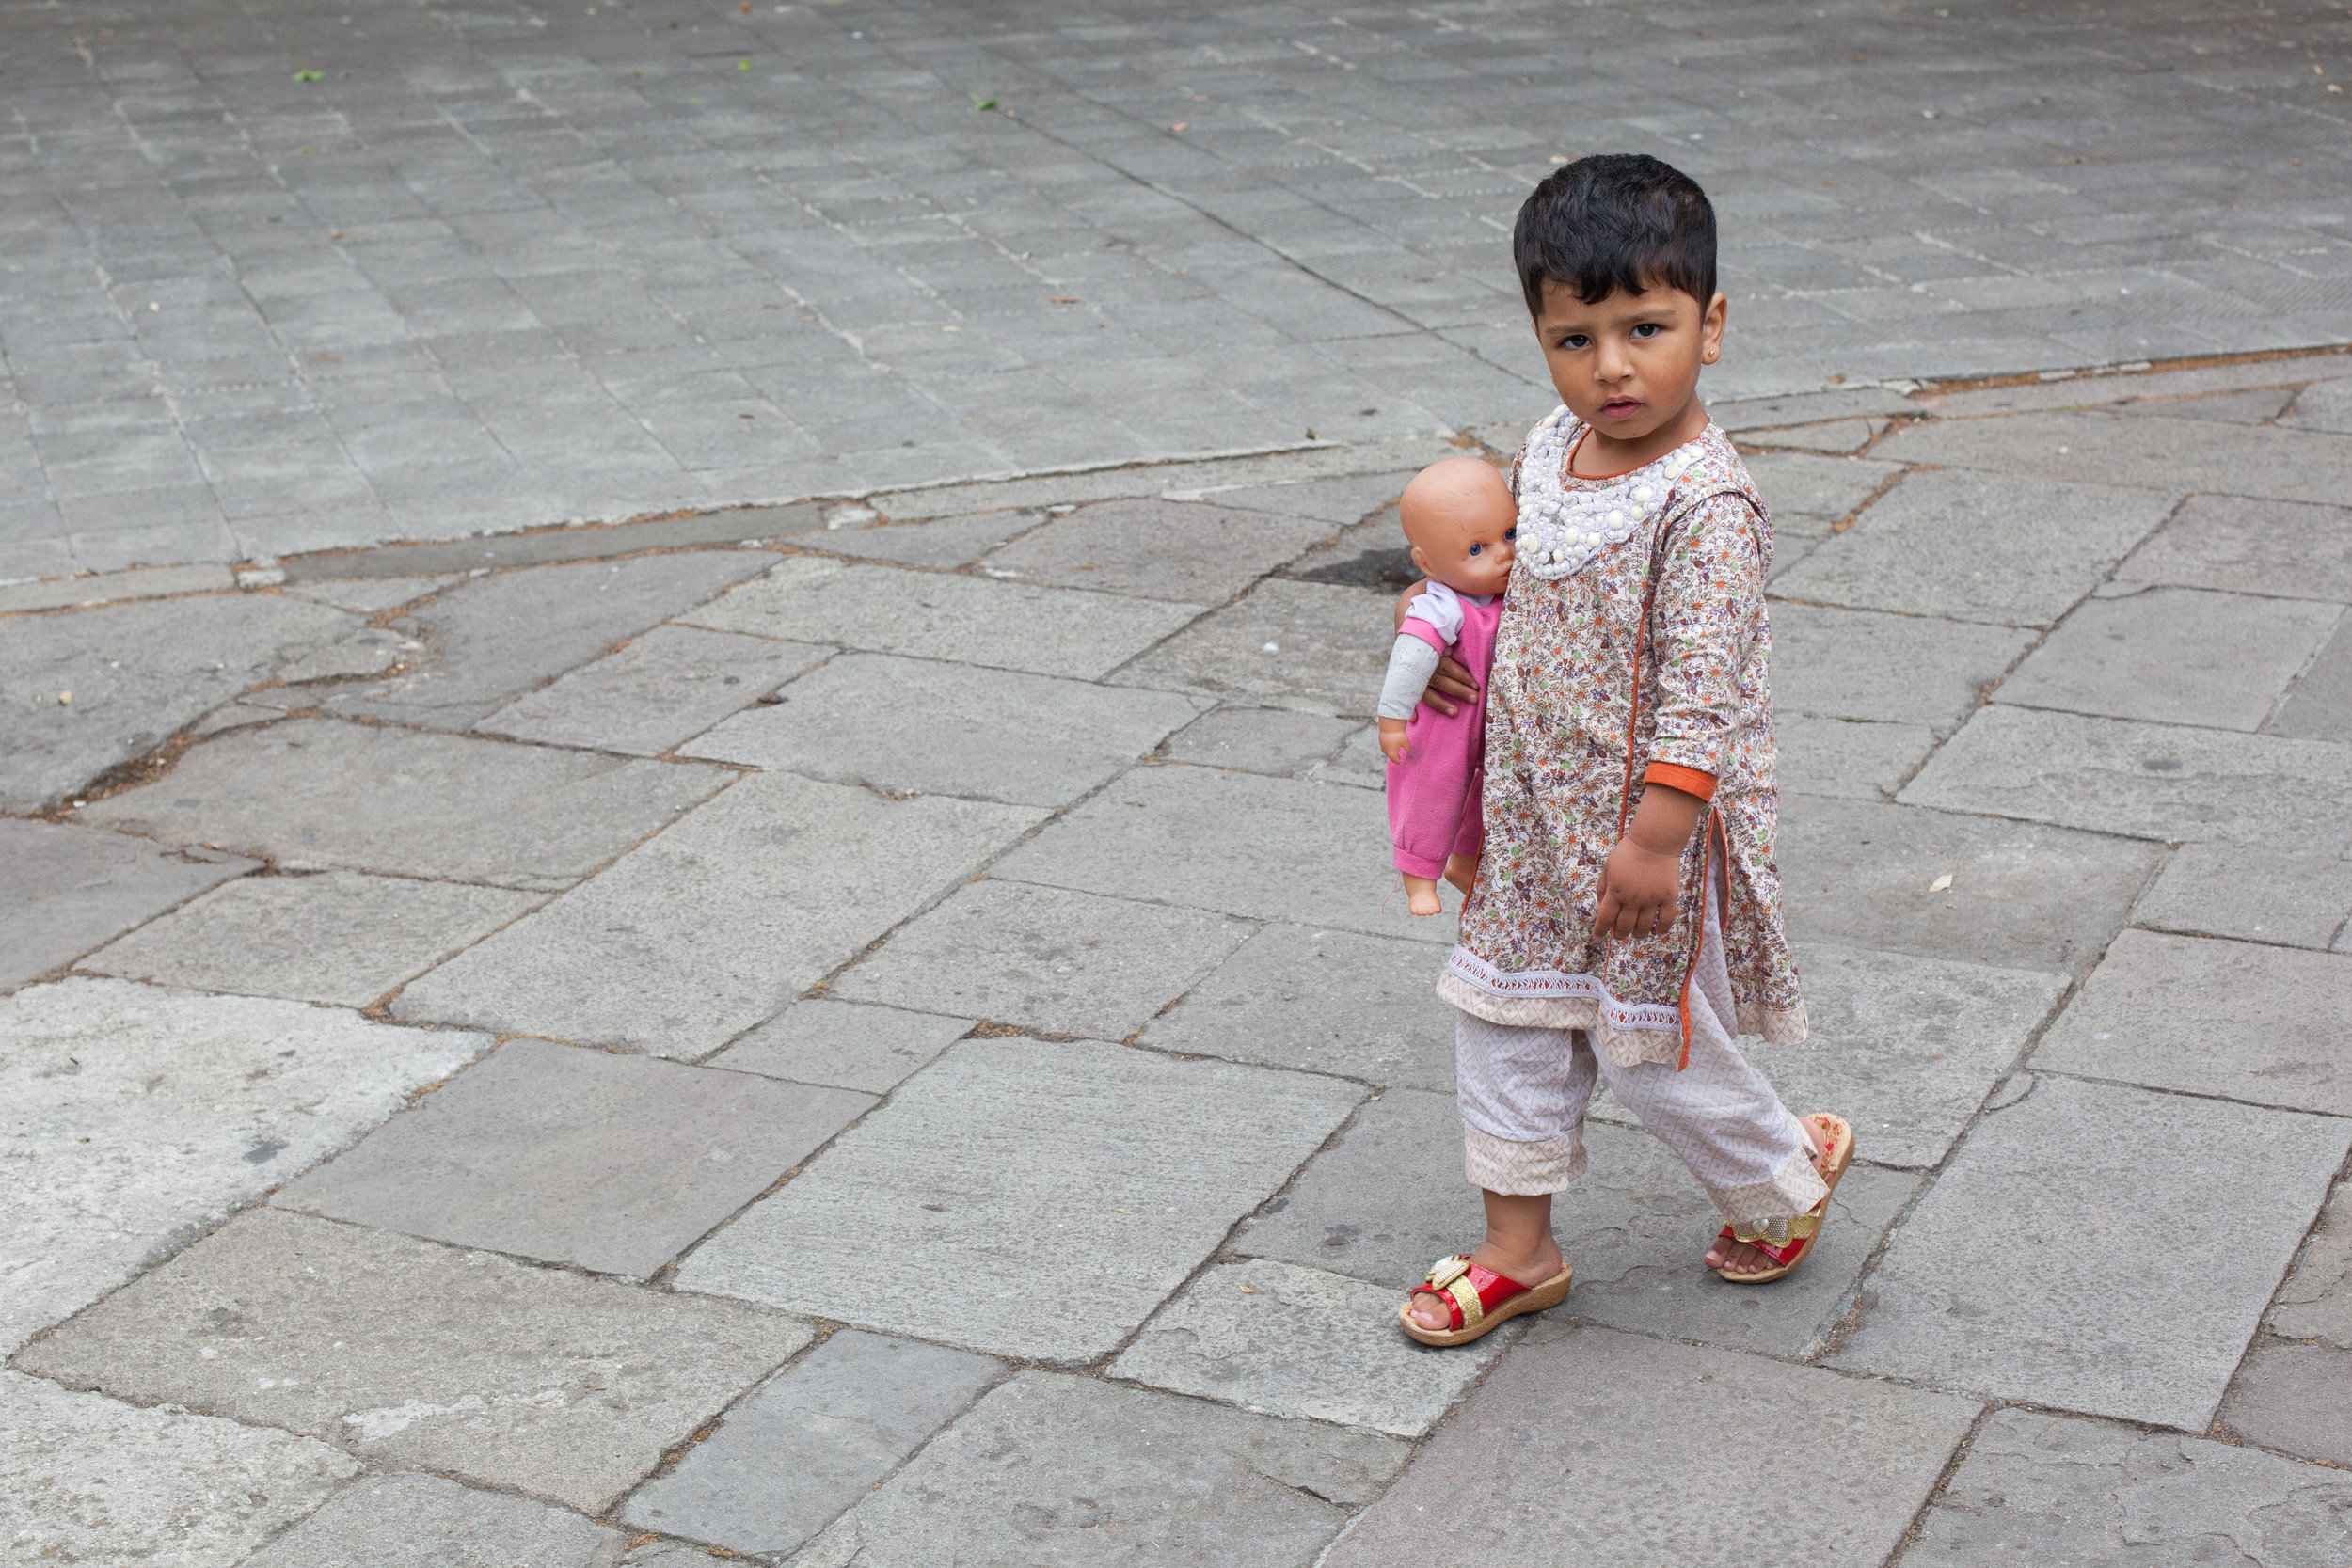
x=1674 y=776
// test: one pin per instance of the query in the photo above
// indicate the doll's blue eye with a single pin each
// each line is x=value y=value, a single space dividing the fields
x=1475 y=549
x=1511 y=533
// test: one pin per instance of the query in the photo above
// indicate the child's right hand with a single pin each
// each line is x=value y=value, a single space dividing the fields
x=1393 y=743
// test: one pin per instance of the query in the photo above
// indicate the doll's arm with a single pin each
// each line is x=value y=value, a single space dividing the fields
x=1453 y=678
x=1411 y=663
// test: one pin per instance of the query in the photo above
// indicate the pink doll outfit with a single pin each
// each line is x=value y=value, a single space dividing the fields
x=1433 y=793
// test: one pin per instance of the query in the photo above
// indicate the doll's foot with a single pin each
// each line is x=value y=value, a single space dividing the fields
x=1733 y=1256
x=1421 y=895
x=1531 y=1268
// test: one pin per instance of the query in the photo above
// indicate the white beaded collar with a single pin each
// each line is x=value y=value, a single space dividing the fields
x=1561 y=529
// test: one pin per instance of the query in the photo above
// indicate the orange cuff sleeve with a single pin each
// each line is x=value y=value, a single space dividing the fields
x=1688 y=779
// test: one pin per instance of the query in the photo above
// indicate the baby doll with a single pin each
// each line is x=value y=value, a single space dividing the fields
x=1460 y=520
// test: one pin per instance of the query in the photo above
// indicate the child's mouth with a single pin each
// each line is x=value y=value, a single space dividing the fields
x=1621 y=408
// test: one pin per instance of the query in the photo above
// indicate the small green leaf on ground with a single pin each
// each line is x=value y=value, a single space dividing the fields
x=309 y=75
x=983 y=103
x=743 y=65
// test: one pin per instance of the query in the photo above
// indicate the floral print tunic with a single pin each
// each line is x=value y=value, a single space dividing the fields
x=1568 y=746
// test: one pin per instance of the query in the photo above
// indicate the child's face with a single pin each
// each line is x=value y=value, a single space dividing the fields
x=1468 y=547
x=1629 y=365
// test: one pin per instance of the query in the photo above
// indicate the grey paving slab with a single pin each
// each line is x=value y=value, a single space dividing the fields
x=1010 y=625
x=1324 y=1001
x=910 y=725
x=2064 y=1313
x=198 y=1490
x=2023 y=895
x=2175 y=655
x=1894 y=669
x=369 y=651
x=338 y=937
x=1298 y=644
x=2258 y=405
x=693 y=937
x=1346 y=501
x=373 y=595
x=413 y=1521
x=1974 y=546
x=145 y=582
x=2235 y=545
x=2216 y=890
x=666 y=687
x=489 y=641
x=1839 y=436
x=1259 y=739
x=1283 y=1341
x=1129 y=1168
x=1807 y=493
x=2231 y=1019
x=2045 y=1488
x=1040 y=958
x=411 y=1354
x=318 y=794
x=616 y=1163
x=1856 y=758
x=2272 y=462
x=1544 y=1458
x=71 y=888
x=1315 y=853
x=1156 y=549
x=2296 y=1399
x=949 y=543
x=1371 y=554
x=140 y=1115
x=1905 y=1048
x=1349 y=1214
x=2316 y=1303
x=1049 y=1471
x=844 y=1045
x=2319 y=706
x=2148 y=781
x=817 y=1439
x=130 y=675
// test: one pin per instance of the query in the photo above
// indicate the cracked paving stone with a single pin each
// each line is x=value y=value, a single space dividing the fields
x=2252 y=895
x=313 y=794
x=1296 y=645
x=411 y=1355
x=1113 y=1170
x=842 y=1044
x=1049 y=1471
x=1156 y=549
x=88 y=1478
x=412 y=1521
x=1260 y=740
x=66 y=889
x=663 y=689
x=616 y=1163
x=138 y=1117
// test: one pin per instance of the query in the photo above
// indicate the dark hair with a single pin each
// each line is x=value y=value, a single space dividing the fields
x=1616 y=220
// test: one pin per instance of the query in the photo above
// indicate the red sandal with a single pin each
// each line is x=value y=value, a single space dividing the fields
x=1806 y=1228
x=1477 y=1299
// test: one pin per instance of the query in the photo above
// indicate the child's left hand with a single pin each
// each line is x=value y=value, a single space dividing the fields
x=1639 y=891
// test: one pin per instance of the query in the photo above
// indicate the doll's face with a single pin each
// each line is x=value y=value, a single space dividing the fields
x=1463 y=525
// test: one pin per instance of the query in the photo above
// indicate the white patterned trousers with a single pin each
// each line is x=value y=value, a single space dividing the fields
x=1523 y=1094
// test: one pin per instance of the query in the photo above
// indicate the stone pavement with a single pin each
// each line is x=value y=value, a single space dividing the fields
x=883 y=1033
x=898 y=1042
x=281 y=275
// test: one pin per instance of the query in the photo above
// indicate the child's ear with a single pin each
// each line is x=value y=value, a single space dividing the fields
x=1712 y=328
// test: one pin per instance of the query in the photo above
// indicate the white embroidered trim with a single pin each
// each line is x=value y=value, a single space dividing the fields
x=1549 y=983
x=1561 y=529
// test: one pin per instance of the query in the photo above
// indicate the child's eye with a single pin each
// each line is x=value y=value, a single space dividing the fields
x=1576 y=339
x=1647 y=329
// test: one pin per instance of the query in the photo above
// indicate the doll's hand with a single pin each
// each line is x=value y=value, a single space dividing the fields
x=1393 y=745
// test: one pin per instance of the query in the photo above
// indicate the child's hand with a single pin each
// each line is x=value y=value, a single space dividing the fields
x=1392 y=744
x=1639 y=891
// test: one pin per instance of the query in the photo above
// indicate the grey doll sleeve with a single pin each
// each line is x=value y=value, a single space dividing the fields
x=1411 y=663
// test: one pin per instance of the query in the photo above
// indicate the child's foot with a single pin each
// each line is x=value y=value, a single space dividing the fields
x=1741 y=1257
x=1428 y=1309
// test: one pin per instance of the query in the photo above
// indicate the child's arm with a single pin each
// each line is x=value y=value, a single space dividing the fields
x=1641 y=883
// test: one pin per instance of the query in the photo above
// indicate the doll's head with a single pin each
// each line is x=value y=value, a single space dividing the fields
x=1461 y=521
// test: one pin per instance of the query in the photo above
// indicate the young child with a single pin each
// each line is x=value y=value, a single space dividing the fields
x=1460 y=520
x=1625 y=921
